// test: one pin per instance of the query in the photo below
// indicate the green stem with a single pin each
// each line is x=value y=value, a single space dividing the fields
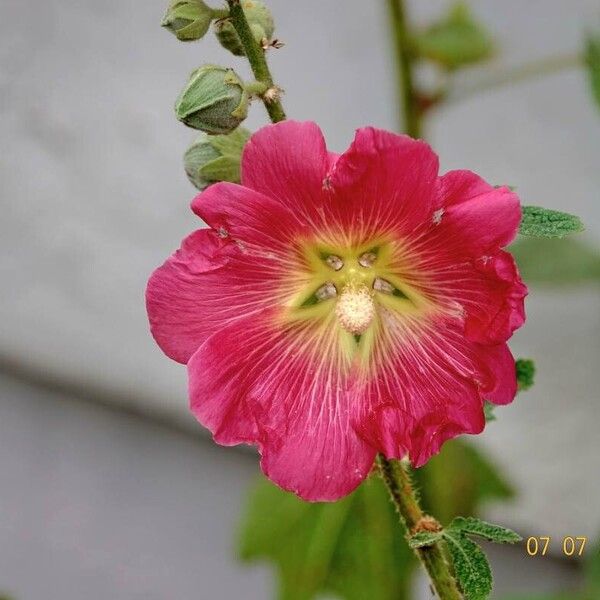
x=499 y=79
x=220 y=13
x=407 y=97
x=404 y=497
x=256 y=58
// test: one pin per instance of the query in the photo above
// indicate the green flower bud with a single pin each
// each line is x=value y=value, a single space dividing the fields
x=214 y=100
x=261 y=24
x=213 y=158
x=188 y=20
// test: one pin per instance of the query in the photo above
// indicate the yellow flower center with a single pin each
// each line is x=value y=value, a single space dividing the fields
x=355 y=308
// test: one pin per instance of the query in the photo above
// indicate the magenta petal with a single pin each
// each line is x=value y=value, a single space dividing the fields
x=287 y=161
x=501 y=384
x=176 y=299
x=501 y=309
x=247 y=216
x=475 y=216
x=259 y=383
x=385 y=181
x=425 y=391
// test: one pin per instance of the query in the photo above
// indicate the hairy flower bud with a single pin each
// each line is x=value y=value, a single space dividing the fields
x=213 y=158
x=261 y=24
x=214 y=100
x=188 y=20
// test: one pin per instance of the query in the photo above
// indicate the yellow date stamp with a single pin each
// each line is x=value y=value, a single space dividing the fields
x=569 y=545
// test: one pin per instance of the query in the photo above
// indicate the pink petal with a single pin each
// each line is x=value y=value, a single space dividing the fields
x=475 y=217
x=247 y=216
x=175 y=293
x=501 y=307
x=288 y=162
x=424 y=390
x=384 y=181
x=286 y=389
x=501 y=384
x=209 y=282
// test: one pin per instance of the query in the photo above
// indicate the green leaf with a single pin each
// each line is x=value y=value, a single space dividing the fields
x=455 y=41
x=353 y=549
x=592 y=61
x=556 y=262
x=364 y=553
x=470 y=565
x=543 y=222
x=534 y=596
x=488 y=531
x=424 y=538
x=525 y=373
x=592 y=571
x=459 y=480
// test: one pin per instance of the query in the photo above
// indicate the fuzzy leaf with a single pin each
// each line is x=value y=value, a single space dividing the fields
x=455 y=41
x=353 y=549
x=543 y=222
x=424 y=538
x=556 y=262
x=525 y=373
x=592 y=60
x=470 y=565
x=488 y=531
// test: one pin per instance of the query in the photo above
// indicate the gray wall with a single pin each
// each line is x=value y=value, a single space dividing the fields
x=94 y=198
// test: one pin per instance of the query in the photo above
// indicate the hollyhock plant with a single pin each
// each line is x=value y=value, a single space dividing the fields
x=338 y=306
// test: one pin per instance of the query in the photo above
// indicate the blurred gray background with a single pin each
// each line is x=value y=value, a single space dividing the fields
x=108 y=489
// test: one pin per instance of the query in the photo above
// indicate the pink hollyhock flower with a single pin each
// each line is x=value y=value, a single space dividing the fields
x=340 y=306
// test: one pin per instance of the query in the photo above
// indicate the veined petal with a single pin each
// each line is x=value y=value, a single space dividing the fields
x=384 y=182
x=422 y=387
x=288 y=162
x=498 y=306
x=248 y=216
x=205 y=285
x=500 y=387
x=176 y=293
x=288 y=389
x=475 y=217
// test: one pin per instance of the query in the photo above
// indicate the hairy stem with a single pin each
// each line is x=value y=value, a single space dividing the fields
x=407 y=97
x=404 y=497
x=256 y=58
x=494 y=80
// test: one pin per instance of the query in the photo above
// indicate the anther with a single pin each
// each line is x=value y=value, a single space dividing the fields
x=335 y=262
x=326 y=291
x=367 y=259
x=382 y=285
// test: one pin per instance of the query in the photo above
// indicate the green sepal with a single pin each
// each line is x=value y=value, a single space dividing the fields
x=213 y=158
x=488 y=531
x=455 y=41
x=488 y=411
x=525 y=368
x=214 y=100
x=424 y=538
x=544 y=222
x=592 y=61
x=259 y=19
x=188 y=20
x=471 y=566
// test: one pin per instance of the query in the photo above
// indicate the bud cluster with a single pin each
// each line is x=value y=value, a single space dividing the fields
x=215 y=99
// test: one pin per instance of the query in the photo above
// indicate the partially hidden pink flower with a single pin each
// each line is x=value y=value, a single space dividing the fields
x=340 y=306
